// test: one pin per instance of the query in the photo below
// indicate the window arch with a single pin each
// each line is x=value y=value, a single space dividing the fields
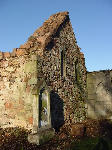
x=76 y=70
x=41 y=106
x=63 y=63
x=43 y=110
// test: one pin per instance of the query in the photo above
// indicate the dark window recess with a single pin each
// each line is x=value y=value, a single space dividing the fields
x=76 y=72
x=50 y=45
x=40 y=104
x=62 y=63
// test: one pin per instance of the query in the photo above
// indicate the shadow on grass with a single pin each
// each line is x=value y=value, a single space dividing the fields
x=101 y=145
x=96 y=143
x=98 y=136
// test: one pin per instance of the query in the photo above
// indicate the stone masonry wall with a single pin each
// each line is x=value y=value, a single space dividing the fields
x=72 y=87
x=18 y=72
x=99 y=102
x=40 y=58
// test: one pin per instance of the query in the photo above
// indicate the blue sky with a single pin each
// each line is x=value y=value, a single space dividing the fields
x=91 y=21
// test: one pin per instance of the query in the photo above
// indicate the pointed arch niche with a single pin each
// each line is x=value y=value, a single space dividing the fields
x=41 y=107
x=63 y=61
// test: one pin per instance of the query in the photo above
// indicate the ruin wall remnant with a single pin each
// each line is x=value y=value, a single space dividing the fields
x=50 y=54
x=99 y=85
x=17 y=73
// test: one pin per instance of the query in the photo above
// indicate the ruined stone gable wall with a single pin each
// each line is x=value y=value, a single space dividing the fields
x=71 y=90
x=40 y=58
x=17 y=74
x=99 y=85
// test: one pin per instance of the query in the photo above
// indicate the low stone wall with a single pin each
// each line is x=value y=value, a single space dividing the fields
x=99 y=85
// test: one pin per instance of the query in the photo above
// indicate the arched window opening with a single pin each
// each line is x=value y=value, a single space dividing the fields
x=43 y=110
x=62 y=63
x=63 y=67
x=76 y=71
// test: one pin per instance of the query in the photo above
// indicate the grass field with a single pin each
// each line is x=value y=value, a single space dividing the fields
x=96 y=143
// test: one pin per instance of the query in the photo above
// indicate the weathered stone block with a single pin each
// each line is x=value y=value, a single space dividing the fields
x=91 y=106
x=30 y=120
x=41 y=136
x=8 y=105
x=77 y=130
x=31 y=67
x=32 y=81
x=90 y=86
x=20 y=52
x=91 y=114
x=6 y=54
x=13 y=54
x=91 y=97
x=1 y=55
x=10 y=69
x=25 y=46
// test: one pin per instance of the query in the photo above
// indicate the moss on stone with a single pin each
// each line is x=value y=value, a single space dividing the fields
x=31 y=67
x=46 y=137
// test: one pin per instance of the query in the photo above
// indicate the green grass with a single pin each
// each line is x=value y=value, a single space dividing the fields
x=92 y=144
